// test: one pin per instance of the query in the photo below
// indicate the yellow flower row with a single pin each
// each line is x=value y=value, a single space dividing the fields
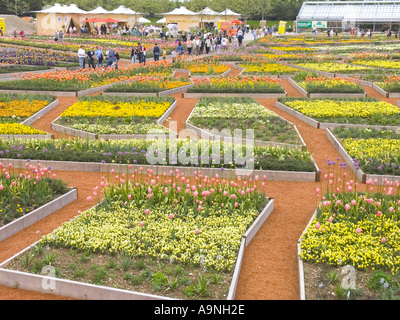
x=121 y=109
x=267 y=68
x=21 y=108
x=332 y=108
x=17 y=128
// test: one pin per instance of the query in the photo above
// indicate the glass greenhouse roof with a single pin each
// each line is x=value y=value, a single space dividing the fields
x=350 y=10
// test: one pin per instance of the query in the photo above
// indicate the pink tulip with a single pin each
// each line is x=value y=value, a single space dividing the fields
x=171 y=216
x=196 y=231
x=89 y=199
x=233 y=196
x=330 y=219
x=317 y=225
x=379 y=213
x=141 y=223
x=391 y=209
x=358 y=230
x=1 y=187
x=147 y=211
x=383 y=240
x=236 y=204
x=353 y=202
x=347 y=207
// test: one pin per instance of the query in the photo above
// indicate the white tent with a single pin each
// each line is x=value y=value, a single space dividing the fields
x=143 y=20
x=181 y=11
x=58 y=8
x=123 y=10
x=209 y=12
x=98 y=10
x=163 y=20
x=228 y=12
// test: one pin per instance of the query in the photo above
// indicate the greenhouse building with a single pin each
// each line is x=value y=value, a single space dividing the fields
x=347 y=15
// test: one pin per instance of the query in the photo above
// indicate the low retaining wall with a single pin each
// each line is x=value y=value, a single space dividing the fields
x=198 y=95
x=85 y=291
x=25 y=221
x=384 y=93
x=26 y=136
x=300 y=262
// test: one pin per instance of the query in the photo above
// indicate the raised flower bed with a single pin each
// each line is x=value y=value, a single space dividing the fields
x=26 y=197
x=173 y=243
x=265 y=68
x=389 y=87
x=241 y=86
x=113 y=117
x=150 y=86
x=217 y=117
x=349 y=248
x=276 y=162
x=371 y=153
x=323 y=87
x=327 y=113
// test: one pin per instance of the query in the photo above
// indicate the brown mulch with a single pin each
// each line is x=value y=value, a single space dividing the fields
x=269 y=270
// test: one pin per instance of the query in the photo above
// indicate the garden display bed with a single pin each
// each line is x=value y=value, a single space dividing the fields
x=325 y=95
x=324 y=125
x=250 y=103
x=79 y=290
x=89 y=135
x=361 y=176
x=385 y=93
x=25 y=221
x=227 y=95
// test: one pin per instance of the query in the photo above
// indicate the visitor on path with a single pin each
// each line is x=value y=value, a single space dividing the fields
x=179 y=48
x=143 y=52
x=90 y=55
x=224 y=44
x=134 y=55
x=81 y=57
x=197 y=43
x=208 y=44
x=156 y=52
x=164 y=54
x=99 y=56
x=116 y=59
x=110 y=57
x=240 y=37
x=61 y=36
x=189 y=45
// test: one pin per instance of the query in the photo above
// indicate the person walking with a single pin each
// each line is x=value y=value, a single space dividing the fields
x=197 y=42
x=143 y=54
x=189 y=45
x=208 y=44
x=99 y=56
x=90 y=55
x=110 y=57
x=134 y=55
x=81 y=56
x=116 y=59
x=156 y=52
x=61 y=36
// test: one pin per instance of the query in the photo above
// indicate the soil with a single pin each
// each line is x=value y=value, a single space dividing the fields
x=270 y=269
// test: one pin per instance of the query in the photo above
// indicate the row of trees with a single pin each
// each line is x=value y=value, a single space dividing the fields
x=250 y=9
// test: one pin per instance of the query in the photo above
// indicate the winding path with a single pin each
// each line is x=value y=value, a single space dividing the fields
x=269 y=270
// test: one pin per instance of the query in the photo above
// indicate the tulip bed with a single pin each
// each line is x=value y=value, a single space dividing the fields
x=242 y=114
x=169 y=235
x=390 y=83
x=241 y=84
x=107 y=115
x=78 y=80
x=352 y=228
x=22 y=191
x=356 y=111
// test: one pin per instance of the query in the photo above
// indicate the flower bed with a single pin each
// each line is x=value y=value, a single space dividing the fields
x=364 y=111
x=179 y=152
x=389 y=87
x=176 y=241
x=17 y=108
x=115 y=115
x=335 y=67
x=261 y=68
x=324 y=86
x=201 y=66
x=147 y=84
x=243 y=85
x=375 y=151
x=356 y=229
x=378 y=63
x=21 y=192
x=78 y=80
x=18 y=129
x=229 y=114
